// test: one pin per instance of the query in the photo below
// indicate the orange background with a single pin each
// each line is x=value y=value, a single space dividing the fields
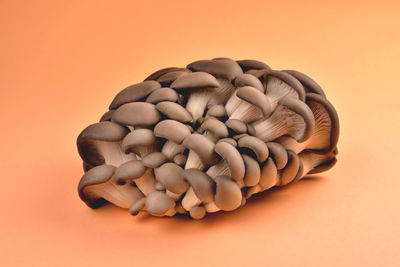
x=62 y=62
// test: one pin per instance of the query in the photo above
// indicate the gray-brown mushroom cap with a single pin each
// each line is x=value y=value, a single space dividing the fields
x=129 y=170
x=255 y=97
x=259 y=148
x=215 y=126
x=195 y=80
x=288 y=174
x=309 y=84
x=288 y=79
x=157 y=74
x=250 y=64
x=158 y=203
x=203 y=147
x=137 y=114
x=237 y=126
x=154 y=160
x=228 y=195
x=278 y=153
x=170 y=176
x=252 y=171
x=249 y=80
x=220 y=68
x=138 y=138
x=97 y=175
x=134 y=93
x=174 y=111
x=217 y=111
x=169 y=77
x=233 y=158
x=203 y=185
x=304 y=111
x=172 y=130
x=162 y=94
x=101 y=131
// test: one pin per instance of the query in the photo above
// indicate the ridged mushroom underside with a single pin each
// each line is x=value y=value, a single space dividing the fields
x=206 y=137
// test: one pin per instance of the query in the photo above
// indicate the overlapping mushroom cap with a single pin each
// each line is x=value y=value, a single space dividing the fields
x=205 y=138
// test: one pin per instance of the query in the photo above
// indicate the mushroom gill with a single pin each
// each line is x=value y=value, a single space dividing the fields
x=206 y=137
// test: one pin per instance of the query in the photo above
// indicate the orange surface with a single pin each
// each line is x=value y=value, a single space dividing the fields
x=63 y=61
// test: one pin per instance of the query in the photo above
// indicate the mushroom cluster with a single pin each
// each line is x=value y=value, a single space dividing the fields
x=206 y=137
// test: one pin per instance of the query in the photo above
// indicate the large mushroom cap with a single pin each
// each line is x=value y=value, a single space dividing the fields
x=220 y=68
x=158 y=203
x=174 y=111
x=172 y=130
x=228 y=195
x=162 y=94
x=195 y=80
x=170 y=176
x=203 y=147
x=137 y=114
x=233 y=158
x=202 y=184
x=139 y=137
x=129 y=170
x=134 y=93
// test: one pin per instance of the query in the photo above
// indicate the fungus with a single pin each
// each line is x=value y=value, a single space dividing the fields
x=207 y=137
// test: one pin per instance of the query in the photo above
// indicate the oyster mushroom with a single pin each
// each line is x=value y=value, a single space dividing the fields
x=134 y=93
x=174 y=111
x=326 y=132
x=154 y=160
x=309 y=84
x=175 y=132
x=214 y=129
x=200 y=149
x=96 y=187
x=203 y=185
x=250 y=64
x=216 y=111
x=312 y=161
x=167 y=78
x=292 y=117
x=157 y=74
x=158 y=203
x=136 y=114
x=249 y=80
x=140 y=141
x=170 y=176
x=228 y=195
x=100 y=143
x=255 y=145
x=162 y=94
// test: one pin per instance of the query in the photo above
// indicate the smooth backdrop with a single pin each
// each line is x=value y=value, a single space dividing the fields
x=62 y=62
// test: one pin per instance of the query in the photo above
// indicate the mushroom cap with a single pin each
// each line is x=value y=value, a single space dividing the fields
x=180 y=159
x=97 y=175
x=324 y=166
x=228 y=140
x=309 y=84
x=247 y=64
x=255 y=97
x=169 y=77
x=174 y=111
x=288 y=79
x=259 y=148
x=134 y=93
x=288 y=174
x=228 y=195
x=203 y=185
x=172 y=130
x=252 y=171
x=269 y=173
x=203 y=147
x=170 y=176
x=129 y=170
x=158 y=203
x=157 y=74
x=217 y=111
x=215 y=126
x=220 y=68
x=249 y=80
x=137 y=114
x=137 y=206
x=102 y=131
x=162 y=94
x=311 y=97
x=138 y=138
x=154 y=160
x=197 y=212
x=237 y=126
x=304 y=111
x=278 y=153
x=195 y=80
x=233 y=158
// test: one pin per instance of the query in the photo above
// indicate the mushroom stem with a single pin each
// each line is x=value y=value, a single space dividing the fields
x=171 y=149
x=112 y=153
x=146 y=183
x=190 y=199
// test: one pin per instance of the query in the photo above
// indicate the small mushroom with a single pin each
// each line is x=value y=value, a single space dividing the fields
x=202 y=184
x=174 y=111
x=236 y=126
x=269 y=175
x=278 y=153
x=309 y=84
x=280 y=84
x=217 y=111
x=249 y=80
x=250 y=64
x=137 y=114
x=158 y=203
x=252 y=171
x=204 y=89
x=258 y=147
x=140 y=142
x=157 y=74
x=232 y=160
x=96 y=187
x=175 y=132
x=326 y=132
x=107 y=116
x=154 y=160
x=129 y=170
x=100 y=143
x=180 y=159
x=290 y=171
x=228 y=195
x=311 y=161
x=254 y=105
x=214 y=129
x=170 y=176
x=292 y=117
x=167 y=78
x=221 y=68
x=202 y=147
x=134 y=93
x=137 y=206
x=162 y=94
x=229 y=140
x=197 y=212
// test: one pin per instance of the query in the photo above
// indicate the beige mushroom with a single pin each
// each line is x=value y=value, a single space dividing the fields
x=162 y=94
x=228 y=195
x=174 y=111
x=137 y=114
x=134 y=93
